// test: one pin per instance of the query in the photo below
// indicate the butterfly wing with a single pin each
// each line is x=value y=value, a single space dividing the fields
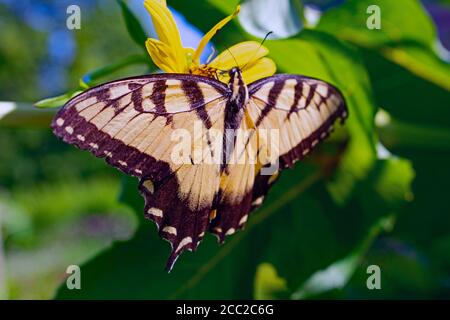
x=302 y=112
x=302 y=109
x=131 y=123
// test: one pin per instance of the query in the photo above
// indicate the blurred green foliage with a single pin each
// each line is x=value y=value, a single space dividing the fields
x=374 y=193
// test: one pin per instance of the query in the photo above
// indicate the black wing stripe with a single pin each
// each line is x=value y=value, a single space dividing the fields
x=311 y=92
x=271 y=100
x=197 y=101
x=158 y=96
x=297 y=95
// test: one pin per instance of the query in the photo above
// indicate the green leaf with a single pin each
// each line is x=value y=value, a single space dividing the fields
x=268 y=284
x=387 y=189
x=90 y=78
x=338 y=274
x=401 y=134
x=335 y=276
x=399 y=40
x=406 y=97
x=415 y=267
x=134 y=27
x=394 y=179
x=58 y=101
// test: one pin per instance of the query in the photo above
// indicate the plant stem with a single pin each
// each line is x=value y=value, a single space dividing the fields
x=402 y=134
x=15 y=114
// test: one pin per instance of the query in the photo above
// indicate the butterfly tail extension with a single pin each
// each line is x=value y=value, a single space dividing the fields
x=231 y=217
x=180 y=225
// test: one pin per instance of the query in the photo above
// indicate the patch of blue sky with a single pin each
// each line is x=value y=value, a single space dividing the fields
x=61 y=46
x=50 y=16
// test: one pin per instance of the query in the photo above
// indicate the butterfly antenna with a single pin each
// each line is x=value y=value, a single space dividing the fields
x=259 y=48
x=222 y=71
x=234 y=58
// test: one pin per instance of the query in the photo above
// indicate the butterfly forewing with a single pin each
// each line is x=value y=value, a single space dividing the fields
x=126 y=120
x=302 y=109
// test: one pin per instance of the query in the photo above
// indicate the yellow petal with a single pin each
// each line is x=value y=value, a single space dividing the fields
x=162 y=55
x=167 y=31
x=208 y=36
x=240 y=55
x=264 y=67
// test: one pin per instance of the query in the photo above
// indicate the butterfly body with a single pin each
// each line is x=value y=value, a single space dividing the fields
x=239 y=90
x=200 y=148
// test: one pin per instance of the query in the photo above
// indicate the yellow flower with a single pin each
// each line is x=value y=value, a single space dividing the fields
x=169 y=55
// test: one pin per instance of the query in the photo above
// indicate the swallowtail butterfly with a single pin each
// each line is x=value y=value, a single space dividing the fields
x=131 y=122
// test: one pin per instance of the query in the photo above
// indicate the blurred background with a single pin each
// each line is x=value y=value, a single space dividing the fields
x=376 y=193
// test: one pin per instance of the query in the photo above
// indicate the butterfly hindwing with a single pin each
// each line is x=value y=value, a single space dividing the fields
x=234 y=199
